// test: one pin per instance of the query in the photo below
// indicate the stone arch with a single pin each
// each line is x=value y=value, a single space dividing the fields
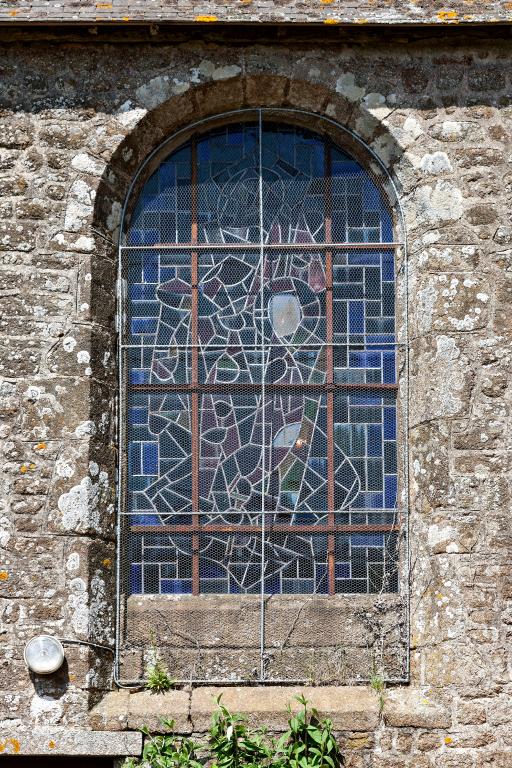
x=142 y=133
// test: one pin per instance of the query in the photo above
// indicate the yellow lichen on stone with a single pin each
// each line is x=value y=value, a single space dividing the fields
x=51 y=744
x=107 y=562
x=447 y=15
x=205 y=18
x=326 y=2
x=41 y=446
x=14 y=744
x=358 y=742
x=331 y=21
x=13 y=13
x=103 y=5
x=23 y=469
x=360 y=21
x=4 y=575
x=448 y=740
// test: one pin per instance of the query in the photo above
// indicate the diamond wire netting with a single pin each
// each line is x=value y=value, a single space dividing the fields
x=260 y=465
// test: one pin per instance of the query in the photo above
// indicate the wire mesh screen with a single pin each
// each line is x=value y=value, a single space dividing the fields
x=260 y=472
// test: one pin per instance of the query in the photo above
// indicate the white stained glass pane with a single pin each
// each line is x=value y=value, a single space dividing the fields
x=287 y=436
x=285 y=314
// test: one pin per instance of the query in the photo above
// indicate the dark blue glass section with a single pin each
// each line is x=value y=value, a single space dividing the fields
x=390 y=423
x=390 y=482
x=367 y=540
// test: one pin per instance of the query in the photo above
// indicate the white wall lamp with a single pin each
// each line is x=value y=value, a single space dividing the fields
x=44 y=654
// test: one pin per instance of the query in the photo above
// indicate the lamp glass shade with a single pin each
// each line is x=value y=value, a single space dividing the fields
x=44 y=654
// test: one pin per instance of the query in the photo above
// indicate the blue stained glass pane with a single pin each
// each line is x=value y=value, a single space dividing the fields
x=144 y=325
x=139 y=376
x=342 y=570
x=374 y=440
x=388 y=268
x=389 y=367
x=176 y=586
x=135 y=579
x=134 y=454
x=144 y=520
x=390 y=483
x=367 y=540
x=390 y=423
x=356 y=317
x=150 y=458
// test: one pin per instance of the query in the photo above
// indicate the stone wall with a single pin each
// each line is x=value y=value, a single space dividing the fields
x=331 y=12
x=76 y=120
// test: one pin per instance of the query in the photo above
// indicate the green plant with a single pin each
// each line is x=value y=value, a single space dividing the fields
x=234 y=745
x=309 y=741
x=166 y=751
x=378 y=685
x=158 y=679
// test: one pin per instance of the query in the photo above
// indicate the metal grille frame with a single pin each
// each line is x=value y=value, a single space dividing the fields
x=331 y=525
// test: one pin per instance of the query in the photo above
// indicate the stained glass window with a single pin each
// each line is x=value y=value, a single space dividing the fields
x=259 y=356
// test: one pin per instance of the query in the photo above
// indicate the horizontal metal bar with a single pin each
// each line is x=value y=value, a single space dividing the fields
x=286 y=513
x=228 y=389
x=258 y=347
x=257 y=246
x=269 y=528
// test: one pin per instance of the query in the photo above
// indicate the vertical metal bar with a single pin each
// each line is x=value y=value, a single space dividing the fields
x=194 y=410
x=122 y=446
x=329 y=339
x=263 y=436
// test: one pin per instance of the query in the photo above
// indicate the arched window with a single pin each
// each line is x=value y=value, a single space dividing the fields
x=259 y=369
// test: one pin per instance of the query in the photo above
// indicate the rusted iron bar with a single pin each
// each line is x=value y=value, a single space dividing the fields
x=257 y=246
x=227 y=389
x=329 y=336
x=195 y=439
x=269 y=528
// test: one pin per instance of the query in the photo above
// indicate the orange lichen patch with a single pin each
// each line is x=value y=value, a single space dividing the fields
x=14 y=744
x=508 y=6
x=326 y=2
x=13 y=13
x=205 y=18
x=447 y=15
x=331 y=21
x=103 y=5
x=107 y=562
x=41 y=446
x=4 y=575
x=51 y=744
x=23 y=469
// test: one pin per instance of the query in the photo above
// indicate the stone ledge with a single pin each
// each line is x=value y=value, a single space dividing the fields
x=121 y=710
x=65 y=741
x=350 y=708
